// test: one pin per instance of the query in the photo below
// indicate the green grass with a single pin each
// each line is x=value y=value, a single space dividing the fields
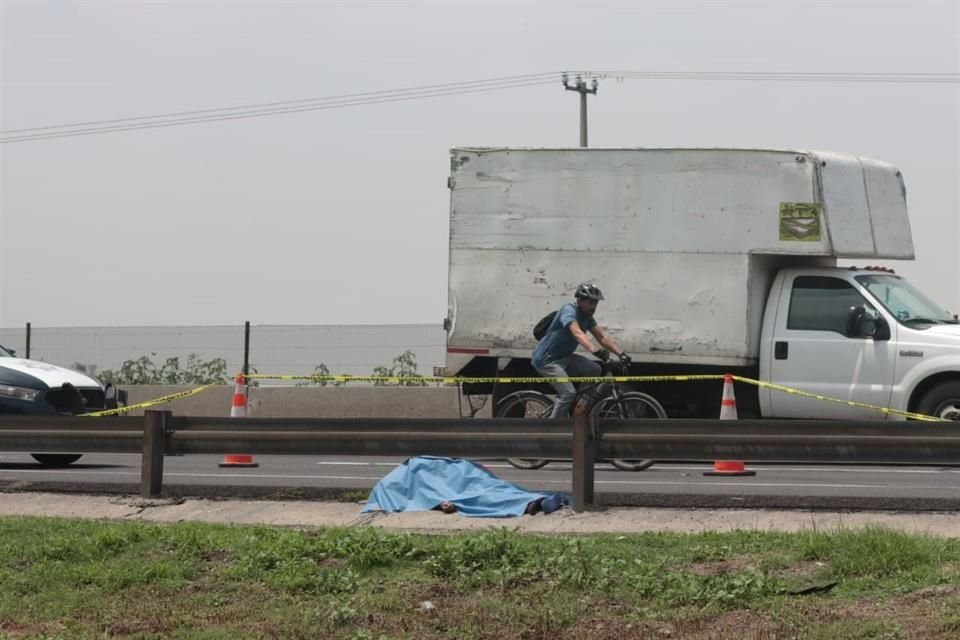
x=83 y=579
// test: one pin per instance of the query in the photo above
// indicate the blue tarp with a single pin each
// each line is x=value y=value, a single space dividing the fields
x=423 y=482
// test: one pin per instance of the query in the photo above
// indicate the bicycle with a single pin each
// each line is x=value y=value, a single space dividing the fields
x=606 y=400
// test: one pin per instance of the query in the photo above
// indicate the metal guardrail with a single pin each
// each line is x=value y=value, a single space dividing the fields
x=579 y=439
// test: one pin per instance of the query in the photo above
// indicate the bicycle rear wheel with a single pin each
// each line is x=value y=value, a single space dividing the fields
x=634 y=405
x=525 y=404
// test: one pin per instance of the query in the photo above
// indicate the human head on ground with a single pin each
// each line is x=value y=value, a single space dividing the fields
x=446 y=506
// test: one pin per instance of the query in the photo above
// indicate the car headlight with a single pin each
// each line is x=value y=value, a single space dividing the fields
x=18 y=393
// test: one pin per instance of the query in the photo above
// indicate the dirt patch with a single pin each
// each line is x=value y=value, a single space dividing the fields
x=18 y=565
x=13 y=630
x=950 y=569
x=217 y=556
x=803 y=569
x=920 y=615
x=740 y=624
x=436 y=591
x=614 y=629
x=938 y=592
x=145 y=503
x=721 y=567
x=332 y=563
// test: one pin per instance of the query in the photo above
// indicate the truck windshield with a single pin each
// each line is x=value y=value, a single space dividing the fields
x=907 y=304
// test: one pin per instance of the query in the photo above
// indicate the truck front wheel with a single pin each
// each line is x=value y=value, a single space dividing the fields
x=942 y=401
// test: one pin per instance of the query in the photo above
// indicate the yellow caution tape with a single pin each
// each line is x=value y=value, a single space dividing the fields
x=849 y=403
x=525 y=380
x=480 y=380
x=148 y=403
x=595 y=379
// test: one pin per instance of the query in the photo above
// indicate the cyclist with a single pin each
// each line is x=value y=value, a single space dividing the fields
x=554 y=355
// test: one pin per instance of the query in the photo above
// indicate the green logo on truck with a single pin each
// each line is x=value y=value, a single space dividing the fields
x=800 y=221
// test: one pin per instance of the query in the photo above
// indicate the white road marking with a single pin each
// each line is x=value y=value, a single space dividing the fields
x=671 y=467
x=167 y=474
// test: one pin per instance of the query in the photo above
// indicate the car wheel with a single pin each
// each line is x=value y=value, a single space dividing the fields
x=942 y=401
x=56 y=459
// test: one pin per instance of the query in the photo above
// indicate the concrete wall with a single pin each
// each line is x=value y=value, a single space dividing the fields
x=315 y=402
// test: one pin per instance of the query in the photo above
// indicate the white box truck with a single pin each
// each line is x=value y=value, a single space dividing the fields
x=711 y=261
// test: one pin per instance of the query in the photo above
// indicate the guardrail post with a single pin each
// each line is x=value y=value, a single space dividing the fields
x=584 y=457
x=154 y=445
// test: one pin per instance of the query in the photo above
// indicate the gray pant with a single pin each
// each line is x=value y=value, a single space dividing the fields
x=572 y=366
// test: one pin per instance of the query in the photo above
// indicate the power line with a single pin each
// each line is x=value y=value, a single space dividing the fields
x=287 y=106
x=67 y=133
x=301 y=102
x=257 y=110
x=787 y=76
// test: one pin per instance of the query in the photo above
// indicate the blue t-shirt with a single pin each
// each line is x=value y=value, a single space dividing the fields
x=558 y=341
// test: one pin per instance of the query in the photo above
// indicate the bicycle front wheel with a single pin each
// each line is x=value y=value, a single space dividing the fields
x=633 y=405
x=525 y=404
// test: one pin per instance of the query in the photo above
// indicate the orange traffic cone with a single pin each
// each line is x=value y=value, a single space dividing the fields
x=728 y=411
x=238 y=405
x=238 y=409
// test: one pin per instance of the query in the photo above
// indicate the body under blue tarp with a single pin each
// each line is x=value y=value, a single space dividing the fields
x=423 y=482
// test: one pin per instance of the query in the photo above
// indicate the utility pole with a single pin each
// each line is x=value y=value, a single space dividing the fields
x=580 y=86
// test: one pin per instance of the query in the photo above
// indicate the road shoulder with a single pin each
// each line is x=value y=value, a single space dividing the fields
x=299 y=513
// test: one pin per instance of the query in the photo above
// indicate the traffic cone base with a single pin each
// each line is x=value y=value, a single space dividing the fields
x=729 y=468
x=238 y=460
x=728 y=411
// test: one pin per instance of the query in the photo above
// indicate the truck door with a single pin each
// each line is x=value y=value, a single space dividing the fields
x=816 y=350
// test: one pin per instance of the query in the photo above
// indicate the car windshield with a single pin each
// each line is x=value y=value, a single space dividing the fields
x=907 y=304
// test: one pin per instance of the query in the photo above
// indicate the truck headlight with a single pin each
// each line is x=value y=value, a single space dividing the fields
x=18 y=393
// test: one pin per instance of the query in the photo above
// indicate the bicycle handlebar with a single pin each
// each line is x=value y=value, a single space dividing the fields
x=614 y=368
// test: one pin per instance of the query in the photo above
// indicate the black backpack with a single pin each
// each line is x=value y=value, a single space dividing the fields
x=540 y=329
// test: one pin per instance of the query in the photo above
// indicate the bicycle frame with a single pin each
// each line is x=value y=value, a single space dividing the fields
x=596 y=391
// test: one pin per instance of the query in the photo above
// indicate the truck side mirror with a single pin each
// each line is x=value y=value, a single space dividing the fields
x=866 y=323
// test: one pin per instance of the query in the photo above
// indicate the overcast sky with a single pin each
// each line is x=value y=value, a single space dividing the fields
x=341 y=216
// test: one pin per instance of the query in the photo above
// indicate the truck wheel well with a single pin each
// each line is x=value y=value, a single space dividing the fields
x=921 y=389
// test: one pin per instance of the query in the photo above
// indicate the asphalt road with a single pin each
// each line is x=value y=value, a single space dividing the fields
x=674 y=484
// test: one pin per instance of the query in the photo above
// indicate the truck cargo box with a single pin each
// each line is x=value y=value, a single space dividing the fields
x=683 y=242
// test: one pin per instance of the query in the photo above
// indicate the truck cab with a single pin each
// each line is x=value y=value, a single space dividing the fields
x=865 y=336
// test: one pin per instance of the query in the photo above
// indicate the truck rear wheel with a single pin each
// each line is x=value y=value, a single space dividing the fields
x=56 y=459
x=942 y=401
